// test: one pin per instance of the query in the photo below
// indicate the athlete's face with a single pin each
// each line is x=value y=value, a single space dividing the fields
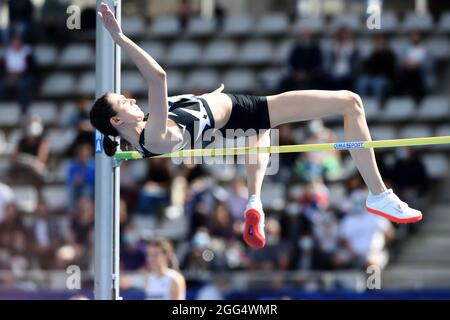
x=127 y=109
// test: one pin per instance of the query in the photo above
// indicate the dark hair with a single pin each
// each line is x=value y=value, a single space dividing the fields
x=100 y=116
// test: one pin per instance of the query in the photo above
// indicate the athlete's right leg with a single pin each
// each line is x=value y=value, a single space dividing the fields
x=312 y=104
x=296 y=106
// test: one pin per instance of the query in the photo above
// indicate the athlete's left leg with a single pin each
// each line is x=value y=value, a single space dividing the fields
x=256 y=165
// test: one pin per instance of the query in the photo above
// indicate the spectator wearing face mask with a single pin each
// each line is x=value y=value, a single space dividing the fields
x=363 y=236
x=133 y=254
x=29 y=160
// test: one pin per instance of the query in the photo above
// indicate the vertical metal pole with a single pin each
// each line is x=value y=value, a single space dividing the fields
x=106 y=76
x=116 y=172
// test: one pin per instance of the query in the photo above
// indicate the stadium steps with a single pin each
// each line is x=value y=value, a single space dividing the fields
x=430 y=247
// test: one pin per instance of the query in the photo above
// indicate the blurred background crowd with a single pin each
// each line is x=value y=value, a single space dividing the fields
x=316 y=219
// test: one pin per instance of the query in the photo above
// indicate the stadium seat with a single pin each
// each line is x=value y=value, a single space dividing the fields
x=47 y=110
x=371 y=108
x=184 y=53
x=60 y=139
x=45 y=55
x=133 y=82
x=3 y=142
x=434 y=108
x=415 y=131
x=415 y=21
x=201 y=27
x=175 y=82
x=56 y=196
x=164 y=26
x=59 y=174
x=219 y=52
x=13 y=139
x=133 y=26
x=365 y=47
x=398 y=45
x=444 y=22
x=156 y=49
x=398 y=109
x=351 y=21
x=9 y=113
x=75 y=55
x=273 y=195
x=86 y=83
x=283 y=50
x=26 y=198
x=436 y=165
x=389 y=21
x=203 y=80
x=443 y=130
x=5 y=164
x=58 y=84
x=316 y=24
x=67 y=110
x=238 y=25
x=256 y=52
x=270 y=78
x=239 y=80
x=439 y=47
x=383 y=132
x=273 y=24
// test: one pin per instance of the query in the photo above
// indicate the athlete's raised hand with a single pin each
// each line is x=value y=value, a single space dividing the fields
x=109 y=21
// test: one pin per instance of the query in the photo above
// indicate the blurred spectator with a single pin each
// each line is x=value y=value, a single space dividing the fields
x=21 y=17
x=79 y=239
x=17 y=70
x=155 y=193
x=287 y=160
x=79 y=119
x=6 y=197
x=321 y=163
x=221 y=223
x=200 y=256
x=133 y=253
x=342 y=61
x=417 y=75
x=214 y=290
x=163 y=280
x=363 y=236
x=54 y=15
x=29 y=160
x=46 y=235
x=275 y=255
x=237 y=198
x=409 y=176
x=326 y=233
x=305 y=64
x=220 y=14
x=80 y=179
x=378 y=71
x=184 y=13
x=20 y=251
x=12 y=219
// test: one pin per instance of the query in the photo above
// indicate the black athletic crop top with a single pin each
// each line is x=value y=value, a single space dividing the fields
x=191 y=114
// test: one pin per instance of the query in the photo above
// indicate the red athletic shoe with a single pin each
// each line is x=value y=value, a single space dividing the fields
x=254 y=228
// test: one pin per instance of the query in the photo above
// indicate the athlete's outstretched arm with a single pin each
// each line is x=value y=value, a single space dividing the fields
x=152 y=72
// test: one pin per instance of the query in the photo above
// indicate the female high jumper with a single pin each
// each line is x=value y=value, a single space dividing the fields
x=174 y=119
